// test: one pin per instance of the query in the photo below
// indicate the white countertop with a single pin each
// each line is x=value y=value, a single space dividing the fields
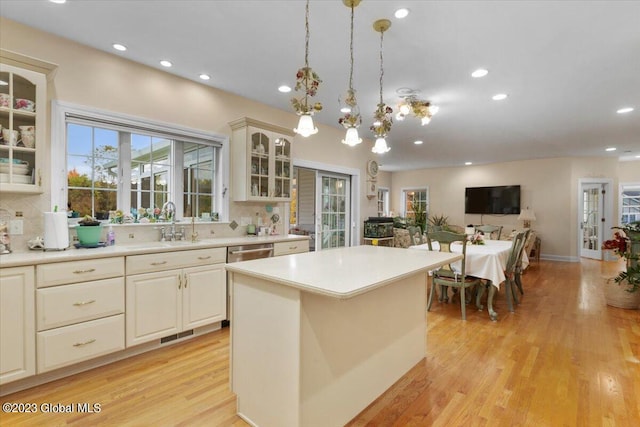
x=343 y=272
x=18 y=259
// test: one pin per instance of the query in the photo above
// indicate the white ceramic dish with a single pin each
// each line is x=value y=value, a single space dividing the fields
x=17 y=179
x=17 y=169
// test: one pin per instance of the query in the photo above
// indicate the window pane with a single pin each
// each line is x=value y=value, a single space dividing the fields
x=79 y=139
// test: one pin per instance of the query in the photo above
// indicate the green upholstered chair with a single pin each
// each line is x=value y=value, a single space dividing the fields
x=490 y=230
x=447 y=276
x=416 y=236
x=518 y=267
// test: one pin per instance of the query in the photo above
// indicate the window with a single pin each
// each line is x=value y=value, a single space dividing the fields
x=118 y=162
x=383 y=201
x=629 y=202
x=415 y=200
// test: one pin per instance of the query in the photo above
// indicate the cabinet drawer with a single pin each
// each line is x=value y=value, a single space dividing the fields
x=170 y=260
x=63 y=273
x=65 y=305
x=72 y=344
x=293 y=247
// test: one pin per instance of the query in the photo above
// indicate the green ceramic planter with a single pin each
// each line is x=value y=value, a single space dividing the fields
x=89 y=235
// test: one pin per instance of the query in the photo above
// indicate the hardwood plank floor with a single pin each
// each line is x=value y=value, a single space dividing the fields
x=562 y=359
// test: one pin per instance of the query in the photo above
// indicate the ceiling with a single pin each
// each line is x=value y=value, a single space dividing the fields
x=567 y=66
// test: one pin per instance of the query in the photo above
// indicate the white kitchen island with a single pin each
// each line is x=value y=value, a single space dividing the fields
x=316 y=337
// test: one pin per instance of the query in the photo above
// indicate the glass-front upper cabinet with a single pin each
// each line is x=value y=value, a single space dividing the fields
x=22 y=129
x=261 y=161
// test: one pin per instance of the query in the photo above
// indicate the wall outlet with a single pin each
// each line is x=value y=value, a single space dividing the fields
x=16 y=227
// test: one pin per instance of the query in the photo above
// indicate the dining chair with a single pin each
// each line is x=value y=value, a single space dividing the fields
x=518 y=267
x=515 y=258
x=448 y=276
x=415 y=234
x=490 y=229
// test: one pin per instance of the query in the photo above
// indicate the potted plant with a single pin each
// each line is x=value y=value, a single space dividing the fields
x=624 y=292
x=419 y=215
x=438 y=223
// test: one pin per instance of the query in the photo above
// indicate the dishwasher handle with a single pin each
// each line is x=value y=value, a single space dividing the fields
x=250 y=251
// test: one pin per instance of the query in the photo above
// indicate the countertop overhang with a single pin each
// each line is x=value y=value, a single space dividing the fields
x=343 y=272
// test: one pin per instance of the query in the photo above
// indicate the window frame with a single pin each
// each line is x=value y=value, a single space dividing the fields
x=405 y=190
x=625 y=186
x=60 y=111
x=382 y=199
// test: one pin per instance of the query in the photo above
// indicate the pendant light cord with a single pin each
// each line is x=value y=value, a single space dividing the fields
x=381 y=66
x=306 y=39
x=351 y=52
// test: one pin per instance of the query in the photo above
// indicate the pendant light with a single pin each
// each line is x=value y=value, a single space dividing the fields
x=382 y=116
x=351 y=119
x=308 y=81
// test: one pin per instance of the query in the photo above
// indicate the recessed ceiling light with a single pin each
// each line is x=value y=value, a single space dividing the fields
x=120 y=47
x=58 y=1
x=625 y=110
x=418 y=142
x=401 y=13
x=166 y=63
x=480 y=72
x=468 y=163
x=611 y=149
x=3 y=83
x=499 y=97
x=205 y=76
x=284 y=89
x=638 y=157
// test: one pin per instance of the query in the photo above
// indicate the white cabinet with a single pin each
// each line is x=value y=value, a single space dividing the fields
x=262 y=167
x=79 y=311
x=17 y=324
x=292 y=247
x=23 y=115
x=170 y=300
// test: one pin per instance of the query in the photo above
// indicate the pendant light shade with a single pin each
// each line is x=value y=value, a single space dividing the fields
x=305 y=126
x=381 y=146
x=352 y=138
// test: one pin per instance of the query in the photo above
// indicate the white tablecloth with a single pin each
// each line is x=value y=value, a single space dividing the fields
x=486 y=261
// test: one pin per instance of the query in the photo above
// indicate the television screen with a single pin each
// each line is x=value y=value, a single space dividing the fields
x=500 y=200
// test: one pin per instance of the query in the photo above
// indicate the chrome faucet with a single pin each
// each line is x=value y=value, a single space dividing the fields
x=168 y=211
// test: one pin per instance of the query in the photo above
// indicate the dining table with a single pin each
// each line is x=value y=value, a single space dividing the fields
x=486 y=261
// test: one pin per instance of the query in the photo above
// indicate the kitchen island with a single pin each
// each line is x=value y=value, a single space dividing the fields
x=316 y=337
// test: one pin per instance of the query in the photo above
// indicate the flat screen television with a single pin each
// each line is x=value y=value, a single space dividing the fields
x=499 y=200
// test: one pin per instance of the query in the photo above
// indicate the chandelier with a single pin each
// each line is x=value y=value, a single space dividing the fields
x=308 y=81
x=423 y=110
x=351 y=119
x=382 y=116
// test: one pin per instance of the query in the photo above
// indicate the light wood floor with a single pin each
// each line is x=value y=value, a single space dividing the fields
x=562 y=359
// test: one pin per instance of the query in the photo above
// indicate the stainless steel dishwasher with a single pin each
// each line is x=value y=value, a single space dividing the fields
x=245 y=253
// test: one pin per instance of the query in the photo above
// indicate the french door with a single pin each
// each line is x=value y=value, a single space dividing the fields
x=592 y=219
x=333 y=200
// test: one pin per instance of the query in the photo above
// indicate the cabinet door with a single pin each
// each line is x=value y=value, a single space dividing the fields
x=17 y=324
x=153 y=309
x=204 y=296
x=23 y=112
x=282 y=167
x=260 y=154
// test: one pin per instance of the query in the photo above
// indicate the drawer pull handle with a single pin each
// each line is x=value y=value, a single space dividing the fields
x=293 y=247
x=159 y=263
x=81 y=303
x=88 y=270
x=80 y=344
x=204 y=257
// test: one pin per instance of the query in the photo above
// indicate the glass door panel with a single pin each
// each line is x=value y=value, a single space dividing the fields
x=592 y=213
x=333 y=200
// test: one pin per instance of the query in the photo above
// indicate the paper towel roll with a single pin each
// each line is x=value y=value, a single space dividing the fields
x=56 y=230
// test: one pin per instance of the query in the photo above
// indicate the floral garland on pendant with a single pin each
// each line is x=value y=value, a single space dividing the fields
x=309 y=81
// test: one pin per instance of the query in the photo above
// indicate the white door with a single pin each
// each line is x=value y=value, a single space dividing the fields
x=333 y=199
x=592 y=219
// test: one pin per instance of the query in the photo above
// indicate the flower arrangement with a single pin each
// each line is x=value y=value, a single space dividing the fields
x=627 y=245
x=476 y=239
x=382 y=120
x=308 y=81
x=351 y=119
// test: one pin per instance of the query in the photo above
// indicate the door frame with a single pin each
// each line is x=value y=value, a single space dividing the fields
x=607 y=207
x=355 y=192
x=320 y=174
